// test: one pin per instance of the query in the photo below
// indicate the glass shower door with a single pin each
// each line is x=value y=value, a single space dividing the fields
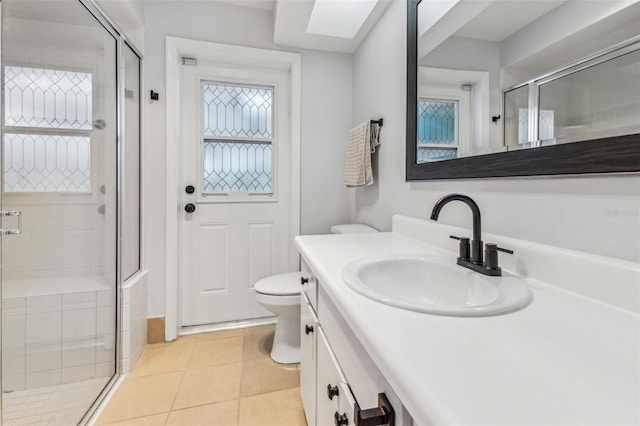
x=59 y=169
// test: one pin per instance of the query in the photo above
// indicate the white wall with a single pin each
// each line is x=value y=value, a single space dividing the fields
x=326 y=117
x=597 y=214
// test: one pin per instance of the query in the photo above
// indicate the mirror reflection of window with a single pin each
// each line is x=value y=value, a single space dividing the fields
x=437 y=130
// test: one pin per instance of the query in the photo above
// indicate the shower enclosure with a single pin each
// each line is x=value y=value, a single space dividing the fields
x=70 y=189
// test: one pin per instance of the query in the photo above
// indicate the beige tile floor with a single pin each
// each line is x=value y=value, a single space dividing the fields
x=224 y=378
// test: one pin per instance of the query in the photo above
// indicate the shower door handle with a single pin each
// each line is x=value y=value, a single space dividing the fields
x=16 y=213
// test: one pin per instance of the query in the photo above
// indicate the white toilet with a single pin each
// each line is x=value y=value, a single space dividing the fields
x=280 y=294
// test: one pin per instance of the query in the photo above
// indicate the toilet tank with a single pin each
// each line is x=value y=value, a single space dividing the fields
x=352 y=228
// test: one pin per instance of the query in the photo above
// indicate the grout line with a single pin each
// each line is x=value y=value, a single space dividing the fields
x=133 y=418
x=181 y=381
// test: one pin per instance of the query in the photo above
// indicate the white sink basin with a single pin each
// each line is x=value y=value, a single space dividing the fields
x=435 y=285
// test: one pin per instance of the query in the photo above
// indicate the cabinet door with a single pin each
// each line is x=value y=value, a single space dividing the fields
x=329 y=380
x=308 y=330
x=310 y=287
x=347 y=403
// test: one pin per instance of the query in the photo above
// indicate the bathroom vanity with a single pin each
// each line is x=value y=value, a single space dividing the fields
x=332 y=389
x=568 y=357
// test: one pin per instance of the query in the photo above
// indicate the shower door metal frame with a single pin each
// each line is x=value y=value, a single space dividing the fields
x=121 y=39
x=108 y=24
x=1 y=186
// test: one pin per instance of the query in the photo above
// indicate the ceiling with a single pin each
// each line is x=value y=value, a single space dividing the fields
x=290 y=27
x=504 y=17
x=258 y=4
x=291 y=18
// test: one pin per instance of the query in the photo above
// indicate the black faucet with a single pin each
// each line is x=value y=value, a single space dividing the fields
x=473 y=261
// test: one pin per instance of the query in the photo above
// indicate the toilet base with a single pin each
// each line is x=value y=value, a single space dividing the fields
x=286 y=341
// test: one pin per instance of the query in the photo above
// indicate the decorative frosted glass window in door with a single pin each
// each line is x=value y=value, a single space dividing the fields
x=237 y=138
x=47 y=120
x=437 y=130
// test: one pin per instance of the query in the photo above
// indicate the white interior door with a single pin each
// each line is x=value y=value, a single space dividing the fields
x=236 y=155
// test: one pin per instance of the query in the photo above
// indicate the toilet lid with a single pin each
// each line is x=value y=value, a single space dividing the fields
x=280 y=285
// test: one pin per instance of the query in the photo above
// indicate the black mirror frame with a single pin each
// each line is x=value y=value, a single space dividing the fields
x=619 y=154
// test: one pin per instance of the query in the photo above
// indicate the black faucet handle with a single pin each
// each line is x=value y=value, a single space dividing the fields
x=491 y=255
x=465 y=247
x=492 y=246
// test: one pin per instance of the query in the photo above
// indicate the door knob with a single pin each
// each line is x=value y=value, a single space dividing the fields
x=308 y=329
x=189 y=189
x=190 y=208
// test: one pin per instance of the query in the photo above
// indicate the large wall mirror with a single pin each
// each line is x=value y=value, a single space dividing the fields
x=522 y=88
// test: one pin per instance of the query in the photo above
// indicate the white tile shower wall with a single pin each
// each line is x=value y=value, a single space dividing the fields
x=134 y=320
x=58 y=338
x=58 y=240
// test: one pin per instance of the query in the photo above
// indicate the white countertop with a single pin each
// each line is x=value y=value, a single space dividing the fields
x=564 y=359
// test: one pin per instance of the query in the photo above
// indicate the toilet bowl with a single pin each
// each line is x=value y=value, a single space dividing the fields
x=280 y=294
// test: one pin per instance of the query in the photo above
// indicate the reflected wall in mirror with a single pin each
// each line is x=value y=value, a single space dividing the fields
x=487 y=81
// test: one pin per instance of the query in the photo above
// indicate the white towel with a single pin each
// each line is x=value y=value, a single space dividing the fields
x=362 y=143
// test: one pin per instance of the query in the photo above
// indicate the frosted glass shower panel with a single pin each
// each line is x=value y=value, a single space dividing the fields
x=131 y=208
x=516 y=118
x=36 y=97
x=60 y=127
x=46 y=163
x=237 y=111
x=597 y=102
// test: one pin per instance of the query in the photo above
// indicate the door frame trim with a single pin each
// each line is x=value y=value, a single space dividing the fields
x=175 y=48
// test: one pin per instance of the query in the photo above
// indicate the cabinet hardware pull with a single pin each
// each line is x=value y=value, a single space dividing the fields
x=383 y=414
x=304 y=280
x=332 y=391
x=308 y=329
x=340 y=419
